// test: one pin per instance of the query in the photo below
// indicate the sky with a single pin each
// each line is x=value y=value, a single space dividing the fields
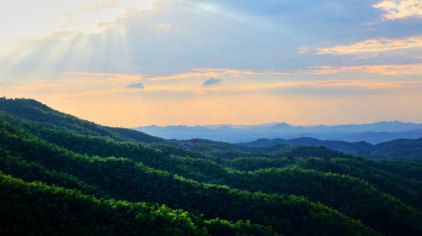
x=131 y=63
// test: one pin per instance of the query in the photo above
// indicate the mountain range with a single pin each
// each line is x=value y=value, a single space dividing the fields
x=372 y=133
x=61 y=175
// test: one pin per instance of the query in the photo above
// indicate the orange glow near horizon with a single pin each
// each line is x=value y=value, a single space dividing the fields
x=134 y=111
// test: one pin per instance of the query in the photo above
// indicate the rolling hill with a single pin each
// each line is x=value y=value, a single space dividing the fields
x=396 y=149
x=63 y=175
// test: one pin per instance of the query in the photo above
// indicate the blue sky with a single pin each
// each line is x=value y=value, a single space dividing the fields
x=146 y=61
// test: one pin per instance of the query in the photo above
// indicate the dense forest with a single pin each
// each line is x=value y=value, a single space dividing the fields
x=395 y=149
x=61 y=175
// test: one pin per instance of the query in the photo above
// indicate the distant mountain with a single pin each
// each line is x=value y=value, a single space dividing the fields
x=378 y=137
x=373 y=133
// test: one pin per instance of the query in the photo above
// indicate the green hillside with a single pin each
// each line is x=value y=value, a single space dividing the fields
x=396 y=149
x=39 y=209
x=35 y=111
x=63 y=175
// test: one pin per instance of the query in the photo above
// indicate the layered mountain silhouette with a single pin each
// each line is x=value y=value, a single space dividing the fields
x=372 y=133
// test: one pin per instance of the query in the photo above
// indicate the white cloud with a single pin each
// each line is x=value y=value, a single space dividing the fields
x=22 y=18
x=374 y=45
x=399 y=9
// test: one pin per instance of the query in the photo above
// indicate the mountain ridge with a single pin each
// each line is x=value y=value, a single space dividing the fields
x=374 y=133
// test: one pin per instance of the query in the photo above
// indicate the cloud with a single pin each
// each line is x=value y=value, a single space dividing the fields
x=319 y=85
x=136 y=86
x=83 y=82
x=107 y=76
x=59 y=88
x=413 y=69
x=382 y=69
x=211 y=82
x=399 y=9
x=201 y=73
x=305 y=86
x=183 y=35
x=22 y=18
x=374 y=45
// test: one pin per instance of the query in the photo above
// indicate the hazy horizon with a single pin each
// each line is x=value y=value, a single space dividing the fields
x=92 y=117
x=281 y=122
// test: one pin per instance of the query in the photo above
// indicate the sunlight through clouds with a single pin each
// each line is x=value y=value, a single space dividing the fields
x=22 y=18
x=60 y=32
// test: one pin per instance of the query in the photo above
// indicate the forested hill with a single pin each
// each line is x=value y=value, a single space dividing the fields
x=395 y=149
x=64 y=176
x=35 y=111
